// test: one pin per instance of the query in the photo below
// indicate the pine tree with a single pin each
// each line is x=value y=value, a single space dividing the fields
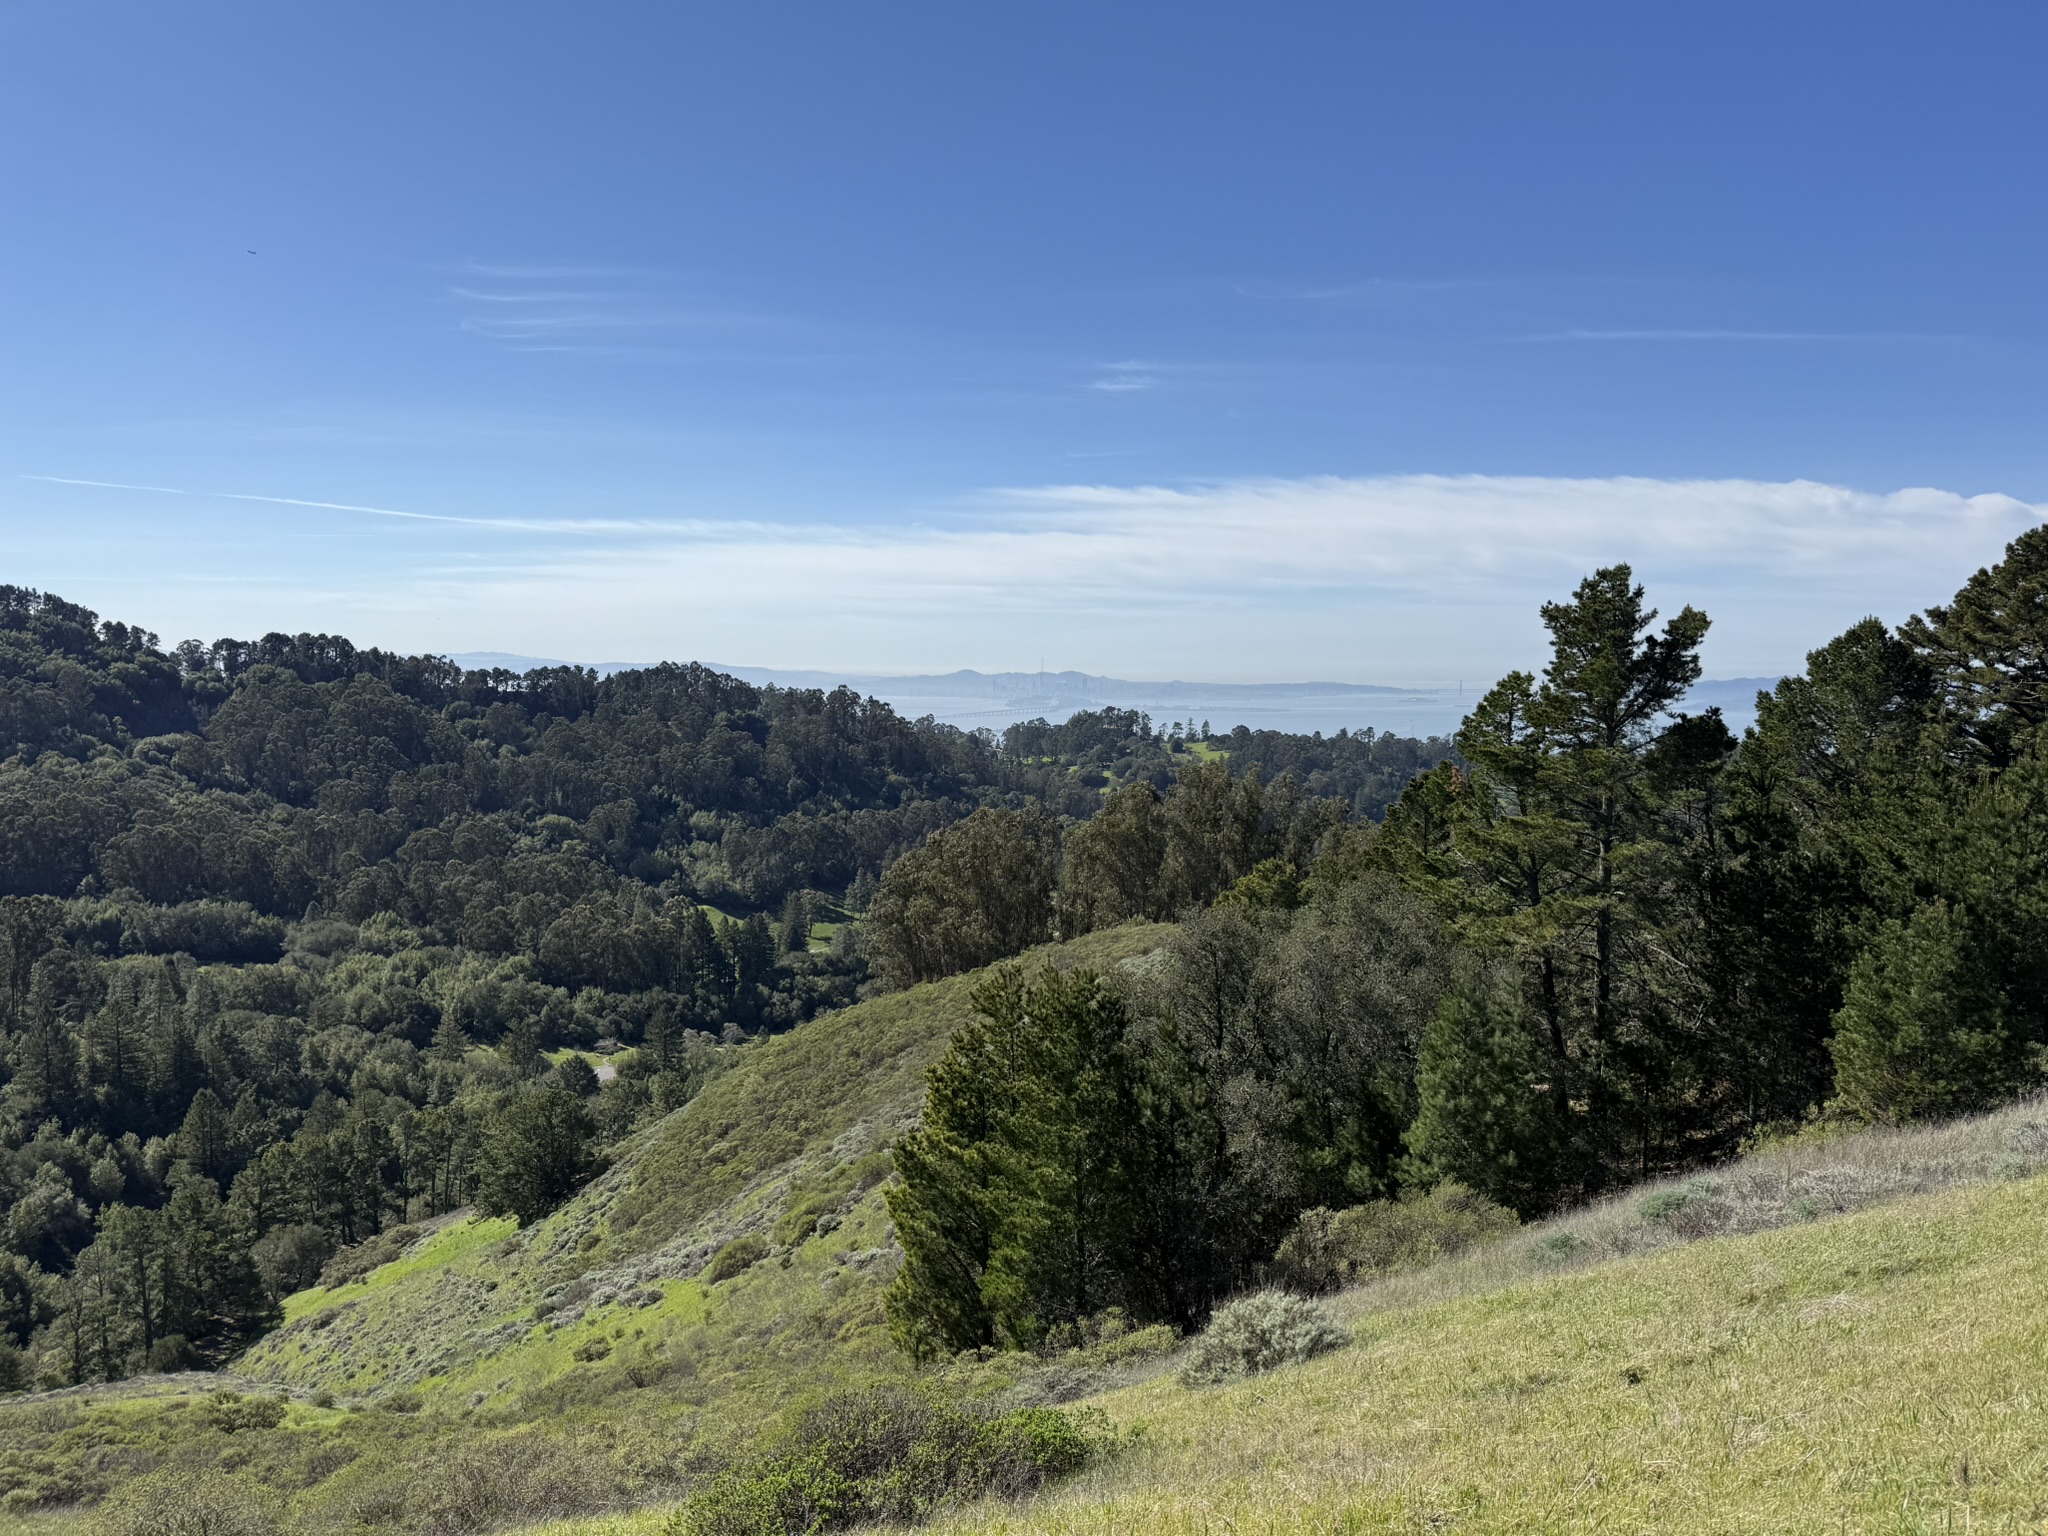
x=1487 y=1117
x=451 y=1042
x=793 y=931
x=1988 y=649
x=1015 y=1209
x=45 y=1053
x=118 y=1054
x=1562 y=855
x=1831 y=818
x=205 y=1142
x=1920 y=1033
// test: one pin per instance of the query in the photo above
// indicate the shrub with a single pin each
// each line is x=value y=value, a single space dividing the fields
x=741 y=1254
x=456 y=1485
x=887 y=1455
x=1331 y=1249
x=291 y=1258
x=1691 y=1210
x=174 y=1352
x=1256 y=1333
x=1559 y=1247
x=189 y=1504
x=230 y=1412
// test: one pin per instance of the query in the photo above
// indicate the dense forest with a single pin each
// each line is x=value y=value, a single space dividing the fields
x=301 y=942
x=1603 y=942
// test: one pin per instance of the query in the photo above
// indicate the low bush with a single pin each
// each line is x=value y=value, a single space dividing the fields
x=1328 y=1250
x=1692 y=1209
x=456 y=1485
x=230 y=1412
x=888 y=1455
x=741 y=1254
x=179 y=1503
x=1256 y=1333
x=1559 y=1247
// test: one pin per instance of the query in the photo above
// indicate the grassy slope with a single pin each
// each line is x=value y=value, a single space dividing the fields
x=639 y=1359
x=796 y=1120
x=1883 y=1371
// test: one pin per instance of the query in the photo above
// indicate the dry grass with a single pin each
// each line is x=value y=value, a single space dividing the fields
x=1819 y=1173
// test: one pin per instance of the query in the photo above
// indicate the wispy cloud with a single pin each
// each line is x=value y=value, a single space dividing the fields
x=594 y=309
x=1735 y=335
x=512 y=524
x=1371 y=290
x=1369 y=579
x=1125 y=378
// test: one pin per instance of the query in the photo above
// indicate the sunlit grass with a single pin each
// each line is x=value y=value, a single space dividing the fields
x=452 y=1242
x=1886 y=1371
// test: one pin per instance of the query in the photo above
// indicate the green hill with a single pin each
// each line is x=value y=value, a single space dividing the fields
x=729 y=1263
x=775 y=1166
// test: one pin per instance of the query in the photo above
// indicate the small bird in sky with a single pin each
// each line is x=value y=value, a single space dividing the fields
x=252 y=253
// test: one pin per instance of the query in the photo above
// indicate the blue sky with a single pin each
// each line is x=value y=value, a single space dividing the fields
x=1239 y=342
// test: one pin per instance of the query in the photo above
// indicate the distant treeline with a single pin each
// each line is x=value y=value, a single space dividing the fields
x=298 y=942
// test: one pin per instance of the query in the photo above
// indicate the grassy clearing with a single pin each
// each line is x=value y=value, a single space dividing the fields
x=1885 y=1371
x=636 y=1522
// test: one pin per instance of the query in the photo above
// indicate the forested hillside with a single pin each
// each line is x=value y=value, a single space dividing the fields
x=1605 y=943
x=300 y=941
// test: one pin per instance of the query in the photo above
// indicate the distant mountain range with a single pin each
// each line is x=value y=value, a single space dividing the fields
x=998 y=699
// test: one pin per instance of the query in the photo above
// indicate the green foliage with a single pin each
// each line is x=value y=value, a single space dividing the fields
x=737 y=1256
x=292 y=918
x=537 y=1149
x=888 y=1455
x=1256 y=1333
x=1112 y=863
x=1988 y=653
x=1014 y=1206
x=229 y=1412
x=974 y=893
x=1919 y=1033
x=1274 y=885
x=1486 y=1118
x=181 y=1503
x=1329 y=1249
x=1564 y=853
x=1147 y=1146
